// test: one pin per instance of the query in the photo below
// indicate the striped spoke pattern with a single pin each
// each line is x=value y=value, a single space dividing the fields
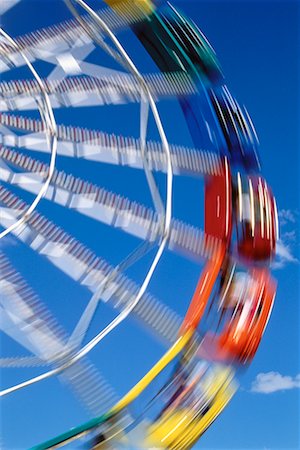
x=102 y=147
x=107 y=207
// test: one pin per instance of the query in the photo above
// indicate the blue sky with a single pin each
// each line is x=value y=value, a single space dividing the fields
x=257 y=43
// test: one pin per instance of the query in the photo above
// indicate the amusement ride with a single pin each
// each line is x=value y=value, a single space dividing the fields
x=226 y=316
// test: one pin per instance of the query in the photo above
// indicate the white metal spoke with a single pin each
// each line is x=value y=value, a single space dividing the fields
x=101 y=147
x=88 y=91
x=22 y=361
x=106 y=207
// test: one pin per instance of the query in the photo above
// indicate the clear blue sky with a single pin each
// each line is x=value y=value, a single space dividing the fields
x=257 y=43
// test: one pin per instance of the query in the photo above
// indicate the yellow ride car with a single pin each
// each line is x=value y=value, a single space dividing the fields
x=179 y=428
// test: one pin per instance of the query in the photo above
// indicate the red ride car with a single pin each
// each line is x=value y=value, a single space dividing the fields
x=256 y=218
x=242 y=333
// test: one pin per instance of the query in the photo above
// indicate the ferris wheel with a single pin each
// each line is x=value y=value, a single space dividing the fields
x=52 y=220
